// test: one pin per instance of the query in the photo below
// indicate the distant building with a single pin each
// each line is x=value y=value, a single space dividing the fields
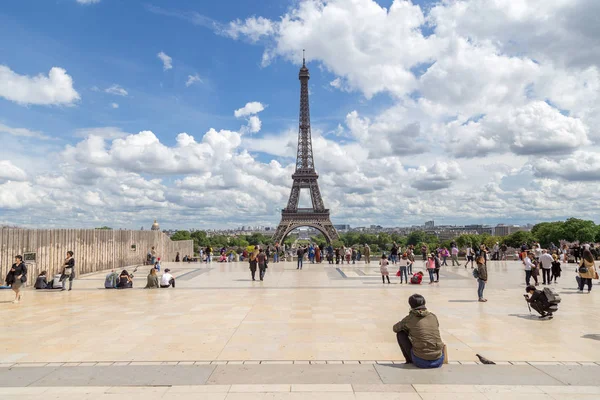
x=155 y=226
x=429 y=224
x=342 y=227
x=505 y=230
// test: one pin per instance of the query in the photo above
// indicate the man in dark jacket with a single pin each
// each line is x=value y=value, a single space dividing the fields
x=418 y=335
x=482 y=278
x=538 y=301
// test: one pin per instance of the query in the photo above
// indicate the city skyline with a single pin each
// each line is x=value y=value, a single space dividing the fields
x=459 y=112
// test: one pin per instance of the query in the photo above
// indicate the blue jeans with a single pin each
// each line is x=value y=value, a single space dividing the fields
x=420 y=363
x=403 y=273
x=394 y=257
x=409 y=268
x=431 y=275
x=299 y=262
x=276 y=257
x=527 y=277
x=480 y=288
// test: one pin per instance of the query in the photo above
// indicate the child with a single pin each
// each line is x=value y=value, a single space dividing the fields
x=416 y=278
x=555 y=268
x=157 y=265
x=384 y=269
x=402 y=270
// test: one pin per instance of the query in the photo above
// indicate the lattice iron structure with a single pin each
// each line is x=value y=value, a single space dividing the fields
x=305 y=177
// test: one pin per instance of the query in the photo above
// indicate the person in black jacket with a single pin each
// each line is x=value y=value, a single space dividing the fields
x=68 y=271
x=19 y=271
x=538 y=301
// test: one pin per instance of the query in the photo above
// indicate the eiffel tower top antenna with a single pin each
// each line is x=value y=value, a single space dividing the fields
x=303 y=59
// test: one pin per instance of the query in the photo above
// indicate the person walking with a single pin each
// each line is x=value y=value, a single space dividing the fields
x=367 y=250
x=19 y=276
x=424 y=251
x=445 y=254
x=556 y=270
x=318 y=254
x=546 y=261
x=482 y=278
x=348 y=255
x=394 y=253
x=470 y=256
x=68 y=271
x=411 y=258
x=300 y=254
x=528 y=268
x=383 y=268
x=454 y=252
x=262 y=264
x=252 y=262
x=438 y=266
x=587 y=270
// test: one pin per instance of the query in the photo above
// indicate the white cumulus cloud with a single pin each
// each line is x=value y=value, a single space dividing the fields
x=166 y=60
x=192 y=79
x=116 y=90
x=251 y=108
x=54 y=89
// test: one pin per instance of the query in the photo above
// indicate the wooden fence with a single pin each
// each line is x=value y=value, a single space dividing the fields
x=94 y=249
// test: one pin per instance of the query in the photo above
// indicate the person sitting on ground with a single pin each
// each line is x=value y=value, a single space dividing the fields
x=111 y=280
x=223 y=257
x=417 y=278
x=538 y=301
x=167 y=279
x=41 y=282
x=152 y=279
x=157 y=265
x=125 y=280
x=418 y=335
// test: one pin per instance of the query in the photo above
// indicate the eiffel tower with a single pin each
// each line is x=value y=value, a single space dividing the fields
x=305 y=177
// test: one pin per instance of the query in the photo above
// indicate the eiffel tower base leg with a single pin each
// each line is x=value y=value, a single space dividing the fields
x=322 y=223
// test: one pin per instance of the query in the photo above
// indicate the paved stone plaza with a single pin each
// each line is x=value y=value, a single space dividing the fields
x=298 y=333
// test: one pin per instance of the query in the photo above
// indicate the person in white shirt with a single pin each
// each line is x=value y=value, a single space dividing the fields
x=528 y=265
x=167 y=279
x=546 y=261
x=470 y=256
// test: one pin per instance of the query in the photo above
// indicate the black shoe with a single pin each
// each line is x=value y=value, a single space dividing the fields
x=261 y=279
x=543 y=316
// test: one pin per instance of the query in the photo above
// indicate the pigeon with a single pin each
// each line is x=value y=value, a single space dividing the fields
x=485 y=360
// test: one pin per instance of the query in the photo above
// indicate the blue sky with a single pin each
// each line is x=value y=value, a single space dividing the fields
x=117 y=42
x=411 y=103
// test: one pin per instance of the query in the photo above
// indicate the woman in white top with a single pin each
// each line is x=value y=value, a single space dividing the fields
x=528 y=266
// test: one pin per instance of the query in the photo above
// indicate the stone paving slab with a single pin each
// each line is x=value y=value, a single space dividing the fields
x=467 y=375
x=573 y=375
x=294 y=374
x=160 y=375
x=364 y=378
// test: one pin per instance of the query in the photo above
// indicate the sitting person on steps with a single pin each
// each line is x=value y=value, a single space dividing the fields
x=125 y=280
x=167 y=279
x=41 y=281
x=418 y=335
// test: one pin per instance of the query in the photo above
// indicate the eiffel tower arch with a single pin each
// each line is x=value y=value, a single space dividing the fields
x=305 y=177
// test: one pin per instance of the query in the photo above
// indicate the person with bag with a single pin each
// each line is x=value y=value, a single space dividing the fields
x=262 y=264
x=482 y=278
x=438 y=266
x=431 y=268
x=19 y=273
x=252 y=262
x=383 y=268
x=587 y=270
x=68 y=271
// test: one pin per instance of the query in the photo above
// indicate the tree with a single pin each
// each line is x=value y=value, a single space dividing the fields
x=516 y=239
x=105 y=228
x=416 y=238
x=181 y=235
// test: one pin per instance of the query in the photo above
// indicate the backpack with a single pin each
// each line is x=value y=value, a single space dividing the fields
x=414 y=279
x=552 y=296
x=475 y=273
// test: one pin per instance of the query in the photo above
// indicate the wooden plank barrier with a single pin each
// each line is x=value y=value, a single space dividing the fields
x=95 y=249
